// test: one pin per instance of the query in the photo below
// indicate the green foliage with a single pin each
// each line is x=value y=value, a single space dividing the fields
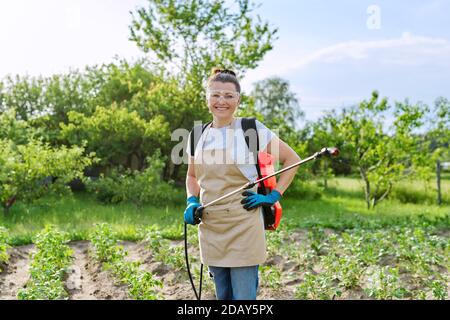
x=301 y=190
x=316 y=287
x=4 y=257
x=439 y=131
x=409 y=194
x=146 y=187
x=210 y=33
x=163 y=251
x=24 y=168
x=142 y=284
x=188 y=38
x=277 y=103
x=381 y=156
x=45 y=102
x=116 y=134
x=49 y=267
x=119 y=82
x=25 y=95
x=390 y=263
x=11 y=128
x=271 y=277
x=385 y=284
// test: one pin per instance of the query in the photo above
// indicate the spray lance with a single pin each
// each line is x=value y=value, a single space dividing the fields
x=325 y=152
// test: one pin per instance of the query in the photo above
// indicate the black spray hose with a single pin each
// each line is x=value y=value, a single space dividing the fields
x=199 y=295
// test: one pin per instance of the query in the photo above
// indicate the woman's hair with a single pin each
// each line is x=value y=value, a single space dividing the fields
x=224 y=75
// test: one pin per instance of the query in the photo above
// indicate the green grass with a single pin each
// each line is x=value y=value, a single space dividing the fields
x=341 y=206
x=77 y=215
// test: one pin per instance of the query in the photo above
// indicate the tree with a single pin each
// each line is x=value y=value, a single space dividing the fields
x=25 y=95
x=32 y=170
x=18 y=131
x=276 y=102
x=117 y=136
x=192 y=36
x=439 y=132
x=381 y=156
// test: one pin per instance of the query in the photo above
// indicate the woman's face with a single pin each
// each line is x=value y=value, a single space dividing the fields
x=223 y=99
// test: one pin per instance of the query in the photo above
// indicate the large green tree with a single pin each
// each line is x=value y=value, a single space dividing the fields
x=193 y=36
x=276 y=102
x=380 y=153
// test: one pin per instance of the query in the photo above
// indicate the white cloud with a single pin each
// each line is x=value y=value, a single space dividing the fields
x=409 y=49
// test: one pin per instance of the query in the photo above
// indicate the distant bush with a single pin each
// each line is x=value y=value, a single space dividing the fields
x=301 y=190
x=137 y=187
x=405 y=195
x=409 y=194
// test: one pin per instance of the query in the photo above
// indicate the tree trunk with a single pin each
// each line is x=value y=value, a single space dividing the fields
x=175 y=172
x=376 y=201
x=366 y=187
x=438 y=182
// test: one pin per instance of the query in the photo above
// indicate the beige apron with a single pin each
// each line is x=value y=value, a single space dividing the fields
x=229 y=235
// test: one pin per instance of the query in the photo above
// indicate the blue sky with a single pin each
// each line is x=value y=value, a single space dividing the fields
x=333 y=53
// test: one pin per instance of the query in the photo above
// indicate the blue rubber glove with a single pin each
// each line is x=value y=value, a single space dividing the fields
x=254 y=200
x=192 y=204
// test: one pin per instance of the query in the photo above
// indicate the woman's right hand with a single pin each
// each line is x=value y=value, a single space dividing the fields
x=189 y=214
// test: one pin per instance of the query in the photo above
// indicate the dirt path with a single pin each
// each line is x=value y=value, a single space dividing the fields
x=16 y=273
x=86 y=279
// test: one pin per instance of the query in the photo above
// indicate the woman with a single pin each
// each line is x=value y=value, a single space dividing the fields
x=231 y=233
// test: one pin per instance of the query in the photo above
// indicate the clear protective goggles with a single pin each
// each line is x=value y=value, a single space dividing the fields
x=215 y=95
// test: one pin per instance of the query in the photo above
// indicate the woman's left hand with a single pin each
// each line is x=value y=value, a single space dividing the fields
x=254 y=200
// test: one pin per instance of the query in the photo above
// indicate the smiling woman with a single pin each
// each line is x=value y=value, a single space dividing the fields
x=231 y=232
x=223 y=84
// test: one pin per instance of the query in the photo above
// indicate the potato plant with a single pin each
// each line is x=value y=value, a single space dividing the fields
x=48 y=267
x=142 y=285
x=162 y=250
x=384 y=262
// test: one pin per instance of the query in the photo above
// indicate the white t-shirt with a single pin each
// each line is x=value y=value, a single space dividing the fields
x=217 y=138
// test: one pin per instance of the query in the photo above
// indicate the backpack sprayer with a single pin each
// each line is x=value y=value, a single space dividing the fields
x=330 y=152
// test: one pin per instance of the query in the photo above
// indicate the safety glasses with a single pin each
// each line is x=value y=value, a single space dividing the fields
x=215 y=95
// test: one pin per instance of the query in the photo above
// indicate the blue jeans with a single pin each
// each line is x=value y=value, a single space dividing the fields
x=238 y=283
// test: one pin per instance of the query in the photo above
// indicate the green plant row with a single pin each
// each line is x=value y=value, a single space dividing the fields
x=162 y=251
x=4 y=257
x=393 y=263
x=142 y=284
x=49 y=267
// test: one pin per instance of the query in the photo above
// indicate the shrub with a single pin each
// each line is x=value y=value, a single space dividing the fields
x=301 y=190
x=25 y=170
x=138 y=187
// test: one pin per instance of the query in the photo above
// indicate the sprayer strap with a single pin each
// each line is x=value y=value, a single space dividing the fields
x=198 y=131
x=250 y=123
